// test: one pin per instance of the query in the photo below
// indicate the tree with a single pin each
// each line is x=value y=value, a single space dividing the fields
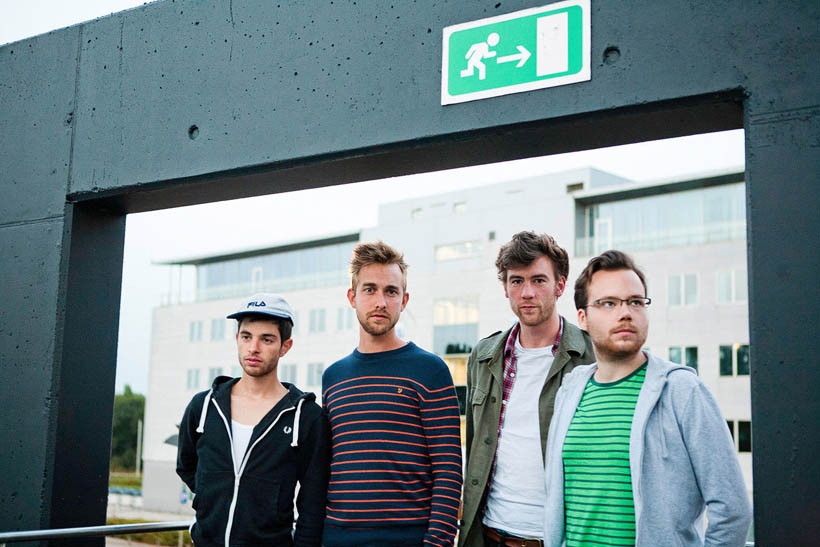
x=129 y=408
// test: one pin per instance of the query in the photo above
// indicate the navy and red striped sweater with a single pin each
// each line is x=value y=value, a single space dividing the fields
x=395 y=472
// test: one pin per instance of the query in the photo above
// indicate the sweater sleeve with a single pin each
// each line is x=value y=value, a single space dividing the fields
x=186 y=446
x=314 y=466
x=442 y=429
x=716 y=467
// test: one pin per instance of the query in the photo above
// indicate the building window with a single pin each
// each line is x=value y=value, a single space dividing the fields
x=455 y=324
x=731 y=425
x=690 y=217
x=295 y=330
x=195 y=331
x=734 y=360
x=217 y=329
x=278 y=271
x=744 y=436
x=683 y=290
x=316 y=322
x=315 y=374
x=287 y=373
x=344 y=318
x=213 y=372
x=457 y=251
x=742 y=359
x=459 y=207
x=731 y=286
x=193 y=379
x=684 y=356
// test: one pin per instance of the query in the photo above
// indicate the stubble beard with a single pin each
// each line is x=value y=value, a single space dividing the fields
x=615 y=351
x=259 y=372
x=544 y=314
x=380 y=329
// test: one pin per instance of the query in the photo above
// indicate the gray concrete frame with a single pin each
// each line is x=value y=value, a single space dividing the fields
x=189 y=101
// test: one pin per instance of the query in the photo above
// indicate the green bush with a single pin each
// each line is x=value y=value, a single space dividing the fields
x=125 y=480
x=153 y=538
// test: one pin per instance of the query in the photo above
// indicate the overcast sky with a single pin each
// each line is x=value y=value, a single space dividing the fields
x=212 y=228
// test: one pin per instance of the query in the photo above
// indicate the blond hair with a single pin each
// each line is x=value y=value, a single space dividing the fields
x=378 y=252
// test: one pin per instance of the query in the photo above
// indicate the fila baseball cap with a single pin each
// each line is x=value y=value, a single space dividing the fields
x=265 y=304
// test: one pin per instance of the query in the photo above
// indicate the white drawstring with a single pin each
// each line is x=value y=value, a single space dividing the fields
x=295 y=442
x=201 y=427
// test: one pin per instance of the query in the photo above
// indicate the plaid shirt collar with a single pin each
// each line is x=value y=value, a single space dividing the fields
x=510 y=362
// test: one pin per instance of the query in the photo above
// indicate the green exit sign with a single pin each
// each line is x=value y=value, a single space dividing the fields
x=520 y=51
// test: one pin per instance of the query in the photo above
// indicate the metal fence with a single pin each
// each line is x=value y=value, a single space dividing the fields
x=93 y=531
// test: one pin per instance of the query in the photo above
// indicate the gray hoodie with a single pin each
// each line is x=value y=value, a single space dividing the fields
x=681 y=456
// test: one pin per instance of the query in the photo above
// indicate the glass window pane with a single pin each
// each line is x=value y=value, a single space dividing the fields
x=691 y=289
x=724 y=287
x=450 y=339
x=740 y=285
x=743 y=360
x=674 y=290
x=731 y=425
x=692 y=357
x=726 y=360
x=744 y=436
x=675 y=355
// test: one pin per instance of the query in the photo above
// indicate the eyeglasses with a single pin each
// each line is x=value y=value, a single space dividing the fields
x=612 y=303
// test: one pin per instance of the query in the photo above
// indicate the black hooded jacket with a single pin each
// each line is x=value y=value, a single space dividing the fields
x=254 y=506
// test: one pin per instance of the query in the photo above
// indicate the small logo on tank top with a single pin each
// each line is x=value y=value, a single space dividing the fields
x=287 y=429
x=399 y=390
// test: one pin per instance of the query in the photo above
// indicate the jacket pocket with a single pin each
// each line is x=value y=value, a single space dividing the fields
x=212 y=500
x=477 y=396
x=259 y=506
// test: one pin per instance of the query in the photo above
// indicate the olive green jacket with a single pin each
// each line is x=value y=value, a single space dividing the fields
x=485 y=377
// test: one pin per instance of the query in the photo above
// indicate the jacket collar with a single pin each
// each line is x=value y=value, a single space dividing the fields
x=572 y=341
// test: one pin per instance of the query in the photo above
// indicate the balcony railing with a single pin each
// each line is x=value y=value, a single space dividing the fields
x=93 y=531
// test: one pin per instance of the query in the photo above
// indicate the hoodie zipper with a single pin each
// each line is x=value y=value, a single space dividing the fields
x=238 y=474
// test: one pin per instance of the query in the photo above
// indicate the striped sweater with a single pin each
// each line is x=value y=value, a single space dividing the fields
x=395 y=472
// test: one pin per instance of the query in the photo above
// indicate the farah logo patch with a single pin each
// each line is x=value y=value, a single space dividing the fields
x=287 y=429
x=399 y=390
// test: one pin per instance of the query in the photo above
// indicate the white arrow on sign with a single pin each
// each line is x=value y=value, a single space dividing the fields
x=521 y=57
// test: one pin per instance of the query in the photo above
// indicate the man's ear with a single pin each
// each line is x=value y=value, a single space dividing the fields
x=560 y=286
x=582 y=319
x=286 y=345
x=351 y=297
x=404 y=300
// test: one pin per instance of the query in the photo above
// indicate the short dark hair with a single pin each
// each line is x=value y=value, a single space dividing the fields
x=377 y=252
x=285 y=326
x=609 y=261
x=525 y=248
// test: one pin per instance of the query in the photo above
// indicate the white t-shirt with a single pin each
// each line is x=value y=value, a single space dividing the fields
x=515 y=502
x=241 y=435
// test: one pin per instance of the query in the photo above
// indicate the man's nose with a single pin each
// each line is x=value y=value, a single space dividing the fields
x=254 y=345
x=528 y=291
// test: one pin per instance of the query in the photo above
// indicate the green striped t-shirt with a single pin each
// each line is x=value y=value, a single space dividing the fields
x=598 y=504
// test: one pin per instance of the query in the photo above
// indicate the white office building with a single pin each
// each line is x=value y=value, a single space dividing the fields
x=688 y=235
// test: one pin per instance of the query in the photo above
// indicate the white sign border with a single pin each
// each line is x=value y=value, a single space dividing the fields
x=583 y=75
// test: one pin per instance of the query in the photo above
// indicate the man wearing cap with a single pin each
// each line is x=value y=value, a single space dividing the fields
x=245 y=443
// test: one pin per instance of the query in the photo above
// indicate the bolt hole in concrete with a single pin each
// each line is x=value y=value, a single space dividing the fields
x=611 y=55
x=193 y=132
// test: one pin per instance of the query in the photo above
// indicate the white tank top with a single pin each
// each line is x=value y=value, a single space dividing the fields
x=241 y=435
